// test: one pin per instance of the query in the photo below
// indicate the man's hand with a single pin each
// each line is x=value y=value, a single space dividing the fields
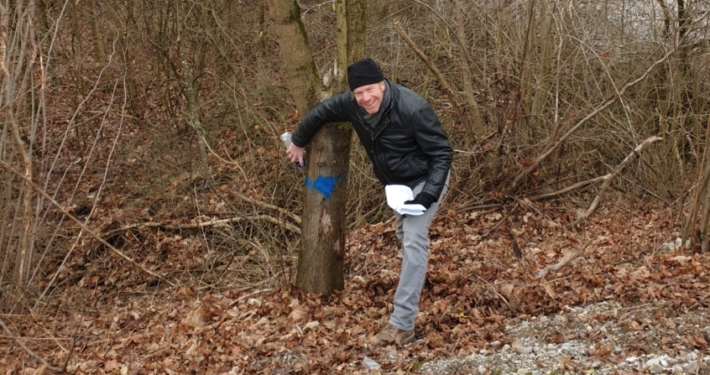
x=295 y=154
x=424 y=199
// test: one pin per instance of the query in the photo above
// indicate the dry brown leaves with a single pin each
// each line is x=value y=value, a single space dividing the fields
x=474 y=286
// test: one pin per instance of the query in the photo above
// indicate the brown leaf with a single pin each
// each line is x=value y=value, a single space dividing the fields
x=435 y=340
x=196 y=318
x=111 y=365
x=635 y=326
x=640 y=274
x=184 y=293
x=555 y=338
x=507 y=290
x=441 y=305
x=297 y=314
x=665 y=340
x=602 y=350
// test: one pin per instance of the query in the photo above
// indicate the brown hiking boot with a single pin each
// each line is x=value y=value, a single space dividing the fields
x=392 y=335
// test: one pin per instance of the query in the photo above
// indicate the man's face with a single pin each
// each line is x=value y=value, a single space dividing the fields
x=369 y=97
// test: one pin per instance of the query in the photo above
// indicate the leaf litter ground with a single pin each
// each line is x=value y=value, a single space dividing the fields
x=628 y=304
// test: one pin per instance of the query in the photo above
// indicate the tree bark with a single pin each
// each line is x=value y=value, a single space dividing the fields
x=300 y=69
x=478 y=131
x=322 y=252
x=100 y=54
x=357 y=23
x=15 y=86
x=540 y=74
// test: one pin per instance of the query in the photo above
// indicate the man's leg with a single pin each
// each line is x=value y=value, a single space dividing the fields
x=413 y=233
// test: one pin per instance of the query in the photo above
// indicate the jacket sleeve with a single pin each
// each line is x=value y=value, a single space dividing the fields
x=335 y=109
x=430 y=136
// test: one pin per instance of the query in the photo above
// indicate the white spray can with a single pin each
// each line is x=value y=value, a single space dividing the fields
x=286 y=139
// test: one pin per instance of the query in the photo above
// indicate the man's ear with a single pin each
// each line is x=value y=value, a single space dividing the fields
x=382 y=86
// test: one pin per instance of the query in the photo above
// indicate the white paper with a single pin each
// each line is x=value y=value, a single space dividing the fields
x=371 y=364
x=397 y=195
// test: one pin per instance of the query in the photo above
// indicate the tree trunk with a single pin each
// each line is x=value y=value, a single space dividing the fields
x=357 y=23
x=300 y=70
x=478 y=131
x=190 y=88
x=100 y=54
x=126 y=56
x=320 y=260
x=540 y=73
x=16 y=78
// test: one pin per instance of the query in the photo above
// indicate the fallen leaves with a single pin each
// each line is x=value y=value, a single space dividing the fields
x=473 y=288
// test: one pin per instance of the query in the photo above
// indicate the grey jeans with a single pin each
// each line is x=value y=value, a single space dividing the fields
x=413 y=233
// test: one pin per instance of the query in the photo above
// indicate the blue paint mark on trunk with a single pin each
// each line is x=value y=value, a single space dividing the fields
x=325 y=185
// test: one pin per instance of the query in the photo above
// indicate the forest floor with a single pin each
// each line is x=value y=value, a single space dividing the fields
x=627 y=302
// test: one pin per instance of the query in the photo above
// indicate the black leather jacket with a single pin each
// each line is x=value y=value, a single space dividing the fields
x=408 y=145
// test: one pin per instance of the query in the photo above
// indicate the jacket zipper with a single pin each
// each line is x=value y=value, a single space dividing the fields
x=373 y=138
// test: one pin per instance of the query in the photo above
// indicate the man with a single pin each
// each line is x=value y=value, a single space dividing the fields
x=407 y=146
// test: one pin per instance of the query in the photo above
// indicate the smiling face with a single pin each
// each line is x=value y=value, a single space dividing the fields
x=369 y=97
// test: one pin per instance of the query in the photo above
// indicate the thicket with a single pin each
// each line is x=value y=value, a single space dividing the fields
x=145 y=135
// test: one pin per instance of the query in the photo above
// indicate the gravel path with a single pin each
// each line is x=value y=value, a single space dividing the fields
x=604 y=338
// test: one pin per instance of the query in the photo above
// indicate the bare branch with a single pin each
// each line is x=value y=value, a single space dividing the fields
x=606 y=104
x=568 y=189
x=205 y=224
x=607 y=178
x=570 y=256
x=93 y=234
x=444 y=83
x=28 y=350
x=466 y=71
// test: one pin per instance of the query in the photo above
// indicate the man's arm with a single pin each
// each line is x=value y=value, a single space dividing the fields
x=431 y=138
x=335 y=109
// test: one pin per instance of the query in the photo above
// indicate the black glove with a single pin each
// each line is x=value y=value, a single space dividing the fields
x=425 y=199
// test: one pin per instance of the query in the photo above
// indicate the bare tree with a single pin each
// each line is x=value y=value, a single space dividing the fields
x=320 y=262
x=20 y=69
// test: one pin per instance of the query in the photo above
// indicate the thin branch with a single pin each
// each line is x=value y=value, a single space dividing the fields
x=204 y=224
x=606 y=104
x=568 y=189
x=281 y=211
x=445 y=84
x=103 y=182
x=3 y=38
x=702 y=181
x=466 y=71
x=458 y=37
x=73 y=343
x=610 y=176
x=570 y=256
x=493 y=289
x=28 y=350
x=93 y=234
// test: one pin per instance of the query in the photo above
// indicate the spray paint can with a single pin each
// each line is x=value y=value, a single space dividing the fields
x=286 y=139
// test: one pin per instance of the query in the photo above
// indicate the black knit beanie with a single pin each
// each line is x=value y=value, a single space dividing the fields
x=364 y=72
